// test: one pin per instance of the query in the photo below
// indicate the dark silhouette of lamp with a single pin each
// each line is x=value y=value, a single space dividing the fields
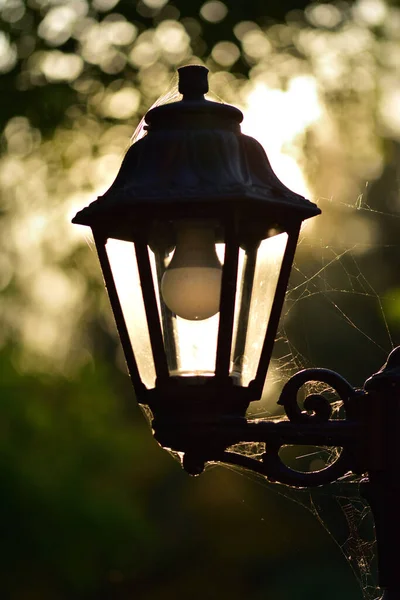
x=196 y=239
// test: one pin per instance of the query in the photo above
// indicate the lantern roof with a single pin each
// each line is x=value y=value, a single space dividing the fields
x=194 y=157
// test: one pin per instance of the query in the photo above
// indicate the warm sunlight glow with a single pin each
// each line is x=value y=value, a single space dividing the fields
x=275 y=118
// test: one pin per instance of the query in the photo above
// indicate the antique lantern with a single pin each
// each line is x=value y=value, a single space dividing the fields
x=196 y=239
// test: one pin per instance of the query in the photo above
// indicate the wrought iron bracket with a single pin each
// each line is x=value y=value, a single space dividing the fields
x=311 y=425
x=368 y=437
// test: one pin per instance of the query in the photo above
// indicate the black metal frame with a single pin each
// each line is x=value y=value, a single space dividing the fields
x=224 y=396
x=100 y=241
x=227 y=303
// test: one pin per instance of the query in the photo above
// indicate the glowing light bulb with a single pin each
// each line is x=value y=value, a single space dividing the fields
x=191 y=285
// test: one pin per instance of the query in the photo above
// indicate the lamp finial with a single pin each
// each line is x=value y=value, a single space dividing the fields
x=193 y=83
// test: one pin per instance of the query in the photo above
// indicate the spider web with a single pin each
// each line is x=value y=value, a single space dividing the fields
x=338 y=507
x=346 y=518
x=349 y=262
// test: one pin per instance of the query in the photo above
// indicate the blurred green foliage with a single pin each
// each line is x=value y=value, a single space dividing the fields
x=91 y=507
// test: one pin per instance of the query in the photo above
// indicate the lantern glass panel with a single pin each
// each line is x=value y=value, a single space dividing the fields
x=258 y=273
x=190 y=338
x=123 y=263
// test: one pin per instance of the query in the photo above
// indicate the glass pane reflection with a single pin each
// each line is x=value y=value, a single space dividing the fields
x=258 y=274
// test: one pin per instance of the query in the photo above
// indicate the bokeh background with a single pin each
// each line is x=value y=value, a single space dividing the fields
x=91 y=507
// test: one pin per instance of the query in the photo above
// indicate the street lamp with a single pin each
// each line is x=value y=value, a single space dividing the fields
x=196 y=239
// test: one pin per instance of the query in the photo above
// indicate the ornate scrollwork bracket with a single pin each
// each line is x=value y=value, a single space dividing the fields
x=312 y=425
x=368 y=437
x=316 y=404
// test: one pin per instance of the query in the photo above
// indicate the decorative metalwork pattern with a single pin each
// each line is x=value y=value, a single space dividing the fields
x=311 y=426
x=316 y=404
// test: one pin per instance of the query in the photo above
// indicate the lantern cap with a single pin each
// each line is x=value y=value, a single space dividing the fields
x=195 y=161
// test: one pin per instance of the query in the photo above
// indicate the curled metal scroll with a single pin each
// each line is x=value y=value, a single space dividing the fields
x=318 y=405
x=317 y=411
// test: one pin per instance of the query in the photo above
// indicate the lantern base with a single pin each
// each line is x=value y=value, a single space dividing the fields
x=191 y=414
